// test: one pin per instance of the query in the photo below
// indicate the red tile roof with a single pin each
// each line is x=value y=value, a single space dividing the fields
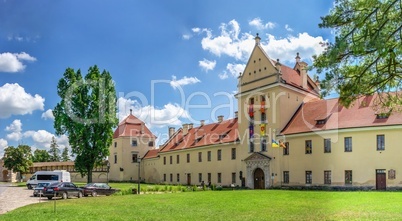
x=131 y=127
x=294 y=79
x=215 y=133
x=335 y=116
x=152 y=154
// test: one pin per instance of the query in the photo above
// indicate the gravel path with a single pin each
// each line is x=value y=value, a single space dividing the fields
x=14 y=197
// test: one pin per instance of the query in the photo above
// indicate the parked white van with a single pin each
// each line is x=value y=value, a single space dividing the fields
x=46 y=176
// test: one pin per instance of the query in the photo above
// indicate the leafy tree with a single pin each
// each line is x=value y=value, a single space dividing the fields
x=41 y=156
x=18 y=159
x=366 y=56
x=87 y=114
x=64 y=155
x=54 y=151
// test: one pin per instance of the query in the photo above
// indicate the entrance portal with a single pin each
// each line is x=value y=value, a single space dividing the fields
x=381 y=183
x=189 y=179
x=259 y=181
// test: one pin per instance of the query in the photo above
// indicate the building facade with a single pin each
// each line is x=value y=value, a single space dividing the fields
x=283 y=135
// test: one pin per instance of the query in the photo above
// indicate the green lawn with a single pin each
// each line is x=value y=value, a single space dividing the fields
x=221 y=205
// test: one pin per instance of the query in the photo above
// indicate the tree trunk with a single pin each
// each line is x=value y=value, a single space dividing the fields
x=89 y=180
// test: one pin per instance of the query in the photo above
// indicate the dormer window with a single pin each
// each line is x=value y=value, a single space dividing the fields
x=321 y=122
x=383 y=115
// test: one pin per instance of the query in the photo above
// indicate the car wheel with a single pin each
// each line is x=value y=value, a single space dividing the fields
x=94 y=194
x=29 y=186
x=64 y=196
x=85 y=195
x=49 y=197
x=79 y=194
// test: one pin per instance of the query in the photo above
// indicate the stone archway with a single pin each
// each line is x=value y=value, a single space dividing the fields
x=258 y=170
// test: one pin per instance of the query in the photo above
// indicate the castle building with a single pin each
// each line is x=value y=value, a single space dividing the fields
x=283 y=135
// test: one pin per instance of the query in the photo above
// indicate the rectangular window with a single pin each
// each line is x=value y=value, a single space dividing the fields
x=209 y=155
x=134 y=142
x=219 y=177
x=171 y=159
x=285 y=176
x=381 y=142
x=348 y=177
x=219 y=154
x=164 y=177
x=233 y=153
x=286 y=149
x=150 y=144
x=188 y=158
x=327 y=145
x=348 y=144
x=263 y=117
x=134 y=158
x=164 y=160
x=233 y=178
x=171 y=177
x=309 y=177
x=200 y=177
x=115 y=144
x=327 y=177
x=263 y=145
x=178 y=177
x=115 y=158
x=209 y=177
x=309 y=147
x=199 y=156
x=177 y=159
x=251 y=146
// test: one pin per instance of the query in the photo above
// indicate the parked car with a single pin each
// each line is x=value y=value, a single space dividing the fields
x=38 y=190
x=95 y=189
x=62 y=189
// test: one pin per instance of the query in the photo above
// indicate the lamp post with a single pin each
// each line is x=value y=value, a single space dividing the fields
x=107 y=174
x=139 y=171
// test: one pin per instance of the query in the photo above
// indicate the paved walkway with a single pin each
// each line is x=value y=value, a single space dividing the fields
x=13 y=197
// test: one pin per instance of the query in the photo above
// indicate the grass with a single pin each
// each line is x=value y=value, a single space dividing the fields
x=221 y=205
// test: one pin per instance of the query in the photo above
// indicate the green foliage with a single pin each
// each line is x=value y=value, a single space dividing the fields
x=221 y=205
x=366 y=56
x=87 y=114
x=18 y=159
x=64 y=155
x=54 y=151
x=41 y=156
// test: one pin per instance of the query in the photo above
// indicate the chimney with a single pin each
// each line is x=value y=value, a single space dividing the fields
x=185 y=129
x=220 y=118
x=142 y=128
x=317 y=82
x=297 y=57
x=131 y=111
x=257 y=40
x=171 y=131
x=190 y=126
x=278 y=65
x=202 y=122
x=236 y=114
x=303 y=73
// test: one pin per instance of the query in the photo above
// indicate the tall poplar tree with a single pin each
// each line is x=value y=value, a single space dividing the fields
x=64 y=155
x=87 y=115
x=366 y=56
x=54 y=151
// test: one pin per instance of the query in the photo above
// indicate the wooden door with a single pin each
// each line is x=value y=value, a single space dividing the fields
x=189 y=179
x=381 y=182
x=259 y=180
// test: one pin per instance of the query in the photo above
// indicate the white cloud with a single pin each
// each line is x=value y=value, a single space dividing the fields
x=186 y=36
x=184 y=81
x=169 y=114
x=286 y=48
x=14 y=129
x=48 y=115
x=230 y=42
x=288 y=28
x=207 y=65
x=258 y=23
x=13 y=62
x=196 y=30
x=235 y=69
x=43 y=138
x=223 y=76
x=15 y=101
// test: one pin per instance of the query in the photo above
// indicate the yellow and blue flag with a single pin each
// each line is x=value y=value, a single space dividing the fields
x=274 y=143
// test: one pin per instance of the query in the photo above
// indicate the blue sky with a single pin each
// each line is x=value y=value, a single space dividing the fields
x=173 y=62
